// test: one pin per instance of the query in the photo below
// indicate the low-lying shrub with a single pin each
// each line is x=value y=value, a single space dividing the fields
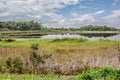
x=106 y=73
x=70 y=39
x=9 y=40
x=34 y=46
x=105 y=40
x=14 y=65
x=35 y=59
x=1 y=40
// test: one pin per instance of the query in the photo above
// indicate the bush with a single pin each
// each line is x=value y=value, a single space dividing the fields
x=100 y=74
x=34 y=46
x=106 y=40
x=9 y=40
x=14 y=65
x=1 y=40
x=35 y=59
x=70 y=39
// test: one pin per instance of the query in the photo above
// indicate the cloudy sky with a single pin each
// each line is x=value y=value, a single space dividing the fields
x=62 y=13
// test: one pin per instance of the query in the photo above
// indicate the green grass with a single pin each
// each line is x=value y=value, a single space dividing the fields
x=32 y=77
x=60 y=42
x=105 y=73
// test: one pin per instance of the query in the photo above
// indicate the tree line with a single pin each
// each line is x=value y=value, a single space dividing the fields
x=89 y=28
x=12 y=25
x=31 y=25
x=97 y=28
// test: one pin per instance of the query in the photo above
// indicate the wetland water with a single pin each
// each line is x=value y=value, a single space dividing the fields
x=75 y=35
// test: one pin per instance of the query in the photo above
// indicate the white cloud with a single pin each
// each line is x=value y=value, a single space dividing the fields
x=117 y=0
x=112 y=19
x=84 y=18
x=115 y=16
x=76 y=20
x=74 y=14
x=99 y=12
x=19 y=8
x=4 y=14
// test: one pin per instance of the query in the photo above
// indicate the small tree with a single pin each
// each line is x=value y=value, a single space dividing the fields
x=36 y=59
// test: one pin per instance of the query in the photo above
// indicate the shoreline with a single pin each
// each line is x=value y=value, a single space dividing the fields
x=24 y=33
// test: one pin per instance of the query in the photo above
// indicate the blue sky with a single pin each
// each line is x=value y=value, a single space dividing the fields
x=62 y=13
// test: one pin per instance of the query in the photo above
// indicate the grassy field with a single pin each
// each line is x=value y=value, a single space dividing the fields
x=32 y=77
x=61 y=47
x=69 y=56
x=75 y=42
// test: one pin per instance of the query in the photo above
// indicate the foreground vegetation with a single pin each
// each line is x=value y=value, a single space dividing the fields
x=105 y=73
x=66 y=56
x=59 y=59
x=75 y=42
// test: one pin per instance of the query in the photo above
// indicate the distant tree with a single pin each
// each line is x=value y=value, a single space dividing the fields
x=12 y=25
x=32 y=25
x=97 y=28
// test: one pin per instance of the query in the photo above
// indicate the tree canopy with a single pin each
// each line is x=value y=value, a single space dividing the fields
x=12 y=25
x=97 y=28
x=31 y=25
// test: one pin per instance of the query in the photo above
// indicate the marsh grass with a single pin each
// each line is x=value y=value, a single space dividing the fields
x=70 y=39
x=60 y=42
x=33 y=77
x=69 y=57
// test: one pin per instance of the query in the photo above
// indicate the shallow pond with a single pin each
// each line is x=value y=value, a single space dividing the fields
x=88 y=36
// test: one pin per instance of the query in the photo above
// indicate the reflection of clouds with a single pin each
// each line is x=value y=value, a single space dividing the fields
x=62 y=36
x=53 y=36
x=114 y=37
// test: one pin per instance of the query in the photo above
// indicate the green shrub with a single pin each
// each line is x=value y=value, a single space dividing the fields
x=35 y=59
x=0 y=69
x=34 y=46
x=70 y=39
x=106 y=40
x=1 y=40
x=82 y=39
x=105 y=73
x=9 y=40
x=14 y=65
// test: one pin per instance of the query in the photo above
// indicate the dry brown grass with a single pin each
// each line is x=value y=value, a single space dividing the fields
x=61 y=54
